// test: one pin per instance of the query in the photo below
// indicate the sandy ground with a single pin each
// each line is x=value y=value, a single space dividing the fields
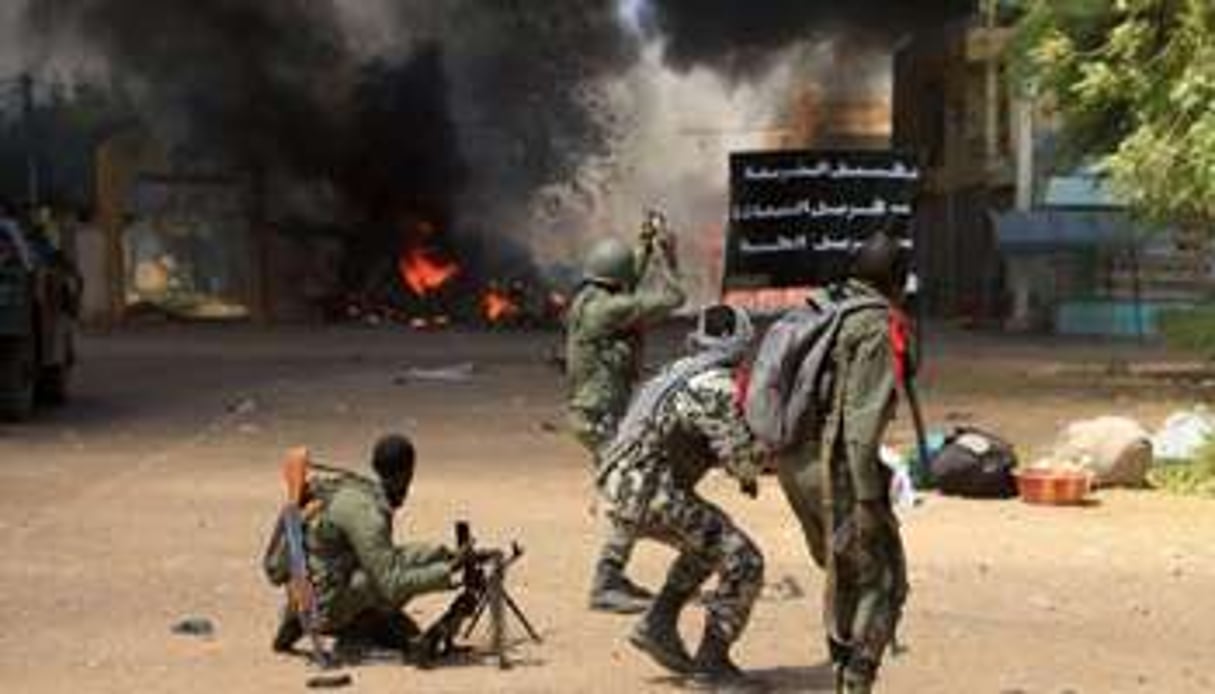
x=147 y=501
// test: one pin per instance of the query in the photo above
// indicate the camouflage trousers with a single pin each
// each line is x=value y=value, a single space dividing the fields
x=708 y=542
x=594 y=431
x=865 y=592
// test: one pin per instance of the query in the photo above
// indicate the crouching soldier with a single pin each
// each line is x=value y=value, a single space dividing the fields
x=360 y=578
x=683 y=422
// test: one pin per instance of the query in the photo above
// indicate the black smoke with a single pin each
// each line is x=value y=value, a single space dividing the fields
x=476 y=107
x=741 y=38
x=530 y=114
x=277 y=85
x=245 y=79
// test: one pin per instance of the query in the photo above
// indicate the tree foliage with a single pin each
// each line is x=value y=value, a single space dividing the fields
x=1133 y=83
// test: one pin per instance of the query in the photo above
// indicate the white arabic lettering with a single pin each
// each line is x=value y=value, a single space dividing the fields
x=897 y=171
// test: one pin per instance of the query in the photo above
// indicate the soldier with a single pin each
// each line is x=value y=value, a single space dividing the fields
x=842 y=499
x=603 y=363
x=684 y=421
x=361 y=579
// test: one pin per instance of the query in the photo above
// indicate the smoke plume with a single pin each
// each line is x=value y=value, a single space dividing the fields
x=525 y=127
x=741 y=38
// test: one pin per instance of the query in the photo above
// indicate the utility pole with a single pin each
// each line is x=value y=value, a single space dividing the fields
x=31 y=149
x=992 y=91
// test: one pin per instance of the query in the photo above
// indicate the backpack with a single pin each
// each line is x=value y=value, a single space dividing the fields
x=309 y=488
x=976 y=464
x=791 y=380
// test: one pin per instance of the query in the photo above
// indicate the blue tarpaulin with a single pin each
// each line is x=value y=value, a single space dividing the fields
x=1044 y=231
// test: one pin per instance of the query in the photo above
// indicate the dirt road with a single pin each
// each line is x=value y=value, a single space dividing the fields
x=147 y=500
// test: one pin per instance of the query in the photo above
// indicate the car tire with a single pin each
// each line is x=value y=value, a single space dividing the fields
x=18 y=379
x=53 y=385
x=54 y=381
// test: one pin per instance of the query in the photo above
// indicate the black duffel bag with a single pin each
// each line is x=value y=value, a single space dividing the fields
x=976 y=464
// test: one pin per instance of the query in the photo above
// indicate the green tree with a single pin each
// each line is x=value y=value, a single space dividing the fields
x=1133 y=83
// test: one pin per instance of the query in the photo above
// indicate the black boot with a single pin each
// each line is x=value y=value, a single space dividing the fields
x=854 y=683
x=638 y=592
x=713 y=656
x=393 y=631
x=376 y=634
x=857 y=676
x=657 y=634
x=290 y=630
x=612 y=592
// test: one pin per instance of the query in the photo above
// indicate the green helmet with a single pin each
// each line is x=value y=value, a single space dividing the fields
x=610 y=261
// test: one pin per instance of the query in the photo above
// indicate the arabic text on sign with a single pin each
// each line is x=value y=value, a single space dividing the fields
x=840 y=171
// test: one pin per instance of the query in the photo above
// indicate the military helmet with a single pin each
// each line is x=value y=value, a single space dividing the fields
x=610 y=261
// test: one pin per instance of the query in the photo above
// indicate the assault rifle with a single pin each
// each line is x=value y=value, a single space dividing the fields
x=483 y=590
x=301 y=596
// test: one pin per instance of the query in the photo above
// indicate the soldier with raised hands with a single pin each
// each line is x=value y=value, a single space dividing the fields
x=623 y=291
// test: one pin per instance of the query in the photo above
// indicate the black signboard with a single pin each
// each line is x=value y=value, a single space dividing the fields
x=796 y=216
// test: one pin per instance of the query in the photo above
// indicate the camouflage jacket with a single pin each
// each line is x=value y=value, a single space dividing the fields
x=696 y=427
x=352 y=530
x=862 y=403
x=603 y=343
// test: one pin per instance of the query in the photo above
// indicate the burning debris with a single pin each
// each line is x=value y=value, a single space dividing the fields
x=499 y=306
x=424 y=273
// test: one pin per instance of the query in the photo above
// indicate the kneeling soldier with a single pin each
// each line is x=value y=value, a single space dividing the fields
x=362 y=581
x=684 y=421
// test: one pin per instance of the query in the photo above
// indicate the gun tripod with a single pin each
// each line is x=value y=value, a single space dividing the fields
x=484 y=593
x=496 y=601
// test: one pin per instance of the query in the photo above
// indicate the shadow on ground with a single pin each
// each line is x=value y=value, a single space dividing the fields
x=778 y=680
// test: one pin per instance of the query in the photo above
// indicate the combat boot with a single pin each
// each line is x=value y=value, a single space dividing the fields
x=712 y=660
x=850 y=683
x=657 y=634
x=638 y=592
x=856 y=677
x=290 y=630
x=612 y=592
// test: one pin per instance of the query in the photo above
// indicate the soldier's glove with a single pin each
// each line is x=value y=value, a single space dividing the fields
x=750 y=487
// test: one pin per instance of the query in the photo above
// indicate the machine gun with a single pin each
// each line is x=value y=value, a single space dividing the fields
x=484 y=590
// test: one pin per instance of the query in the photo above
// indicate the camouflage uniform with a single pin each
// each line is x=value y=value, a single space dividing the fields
x=358 y=573
x=603 y=347
x=649 y=481
x=866 y=570
x=604 y=360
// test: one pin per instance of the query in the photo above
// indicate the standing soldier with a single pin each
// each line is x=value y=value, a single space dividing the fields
x=621 y=293
x=684 y=421
x=841 y=496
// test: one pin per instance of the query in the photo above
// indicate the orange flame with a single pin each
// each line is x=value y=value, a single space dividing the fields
x=497 y=306
x=423 y=273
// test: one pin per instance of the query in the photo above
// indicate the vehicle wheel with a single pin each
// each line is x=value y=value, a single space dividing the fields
x=54 y=381
x=53 y=385
x=17 y=379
